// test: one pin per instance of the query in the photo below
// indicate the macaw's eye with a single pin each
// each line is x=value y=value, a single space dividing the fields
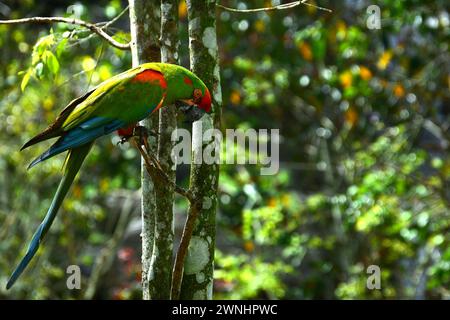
x=197 y=96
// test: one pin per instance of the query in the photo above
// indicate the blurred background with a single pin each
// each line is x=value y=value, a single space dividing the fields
x=364 y=174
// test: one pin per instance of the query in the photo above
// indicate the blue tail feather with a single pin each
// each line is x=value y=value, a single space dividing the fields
x=32 y=249
x=74 y=162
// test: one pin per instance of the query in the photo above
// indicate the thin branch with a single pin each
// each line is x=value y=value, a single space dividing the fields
x=279 y=7
x=87 y=25
x=102 y=25
x=156 y=172
x=109 y=23
x=178 y=268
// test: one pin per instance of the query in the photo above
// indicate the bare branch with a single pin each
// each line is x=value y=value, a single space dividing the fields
x=109 y=23
x=87 y=25
x=177 y=274
x=279 y=7
x=102 y=25
x=156 y=172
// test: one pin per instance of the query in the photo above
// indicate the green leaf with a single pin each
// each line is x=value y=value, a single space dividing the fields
x=61 y=47
x=25 y=80
x=51 y=62
x=44 y=43
x=39 y=69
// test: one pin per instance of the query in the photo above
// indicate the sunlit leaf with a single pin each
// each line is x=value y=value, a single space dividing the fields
x=25 y=80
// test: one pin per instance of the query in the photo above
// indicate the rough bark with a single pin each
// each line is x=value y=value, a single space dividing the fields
x=161 y=266
x=145 y=29
x=198 y=269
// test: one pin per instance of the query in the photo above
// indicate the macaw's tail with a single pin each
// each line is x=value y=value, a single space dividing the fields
x=73 y=163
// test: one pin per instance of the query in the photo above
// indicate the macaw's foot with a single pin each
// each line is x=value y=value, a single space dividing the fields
x=124 y=139
x=142 y=133
x=125 y=134
x=139 y=132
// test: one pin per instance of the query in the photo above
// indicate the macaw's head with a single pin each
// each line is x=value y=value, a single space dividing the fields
x=186 y=90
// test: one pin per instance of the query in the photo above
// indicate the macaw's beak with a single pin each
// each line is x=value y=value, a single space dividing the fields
x=194 y=114
x=191 y=111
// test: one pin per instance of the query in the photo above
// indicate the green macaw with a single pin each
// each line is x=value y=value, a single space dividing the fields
x=116 y=104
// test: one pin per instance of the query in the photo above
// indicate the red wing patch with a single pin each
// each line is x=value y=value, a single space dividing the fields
x=151 y=76
x=187 y=81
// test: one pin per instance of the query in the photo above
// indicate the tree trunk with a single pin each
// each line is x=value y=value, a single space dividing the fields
x=145 y=29
x=198 y=269
x=162 y=259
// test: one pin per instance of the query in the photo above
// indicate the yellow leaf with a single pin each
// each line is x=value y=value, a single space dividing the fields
x=48 y=103
x=346 y=79
x=286 y=200
x=341 y=30
x=365 y=73
x=88 y=63
x=399 y=91
x=235 y=97
x=182 y=10
x=76 y=191
x=25 y=80
x=104 y=73
x=351 y=116
x=249 y=246
x=104 y=185
x=260 y=26
x=384 y=60
x=305 y=51
x=272 y=202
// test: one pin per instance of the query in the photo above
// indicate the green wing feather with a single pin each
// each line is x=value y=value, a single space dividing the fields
x=89 y=106
x=79 y=109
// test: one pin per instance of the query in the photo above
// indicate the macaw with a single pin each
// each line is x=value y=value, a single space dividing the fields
x=116 y=104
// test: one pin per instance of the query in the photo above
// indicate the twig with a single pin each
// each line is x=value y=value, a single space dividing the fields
x=102 y=25
x=155 y=171
x=111 y=22
x=178 y=268
x=87 y=25
x=279 y=7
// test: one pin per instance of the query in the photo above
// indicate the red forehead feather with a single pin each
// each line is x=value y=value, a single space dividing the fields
x=151 y=76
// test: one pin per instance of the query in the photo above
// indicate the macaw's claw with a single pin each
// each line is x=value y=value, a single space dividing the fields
x=138 y=131
x=123 y=140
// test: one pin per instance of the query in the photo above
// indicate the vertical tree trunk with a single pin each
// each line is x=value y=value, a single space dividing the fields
x=145 y=28
x=198 y=269
x=161 y=266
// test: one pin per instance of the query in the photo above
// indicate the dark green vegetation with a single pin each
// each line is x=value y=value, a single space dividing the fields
x=364 y=173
